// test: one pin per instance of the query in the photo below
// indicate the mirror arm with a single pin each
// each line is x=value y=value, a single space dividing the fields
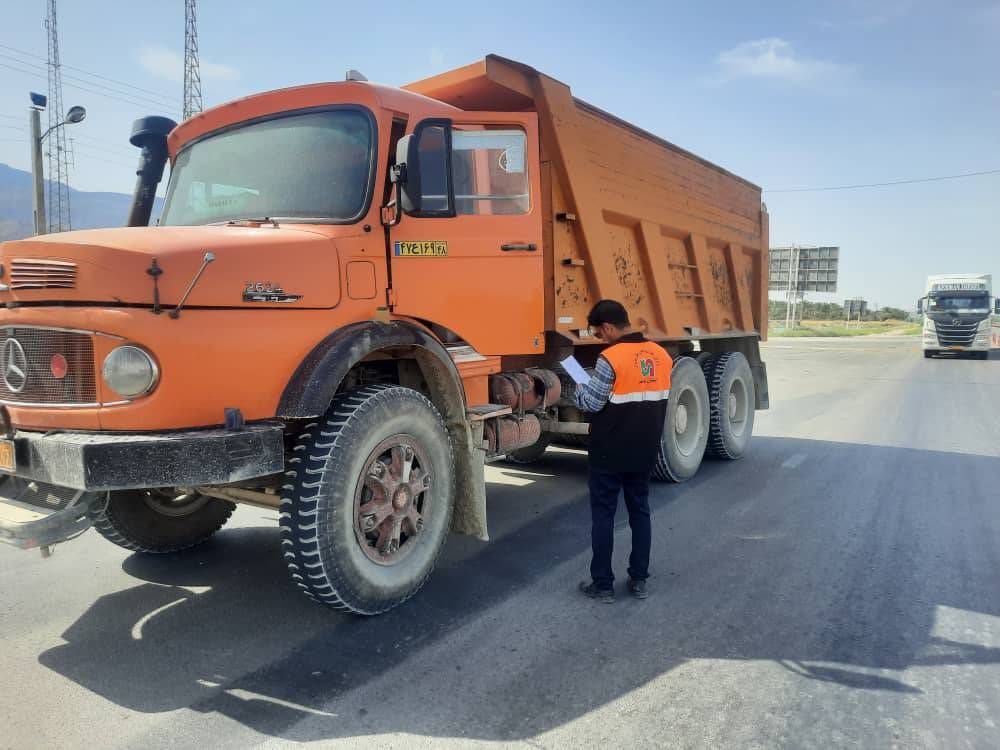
x=397 y=175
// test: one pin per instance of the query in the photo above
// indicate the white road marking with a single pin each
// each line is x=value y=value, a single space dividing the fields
x=247 y=695
x=793 y=461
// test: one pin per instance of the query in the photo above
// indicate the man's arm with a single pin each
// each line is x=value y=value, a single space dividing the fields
x=594 y=395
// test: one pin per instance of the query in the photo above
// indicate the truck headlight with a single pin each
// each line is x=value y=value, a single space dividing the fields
x=130 y=371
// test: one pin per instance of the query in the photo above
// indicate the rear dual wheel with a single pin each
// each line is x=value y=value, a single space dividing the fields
x=685 y=428
x=532 y=453
x=711 y=409
x=732 y=399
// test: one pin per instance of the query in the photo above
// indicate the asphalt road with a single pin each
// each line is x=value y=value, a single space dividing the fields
x=839 y=587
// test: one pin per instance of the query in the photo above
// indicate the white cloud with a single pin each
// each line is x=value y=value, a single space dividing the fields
x=774 y=58
x=169 y=65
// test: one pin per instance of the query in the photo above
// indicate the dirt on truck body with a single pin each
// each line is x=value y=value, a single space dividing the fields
x=356 y=297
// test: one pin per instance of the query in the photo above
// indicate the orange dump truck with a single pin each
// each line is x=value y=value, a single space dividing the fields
x=355 y=297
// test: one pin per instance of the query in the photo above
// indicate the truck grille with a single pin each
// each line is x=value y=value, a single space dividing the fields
x=26 y=367
x=42 y=273
x=958 y=333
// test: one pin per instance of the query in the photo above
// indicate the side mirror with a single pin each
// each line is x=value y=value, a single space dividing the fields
x=423 y=170
x=920 y=305
x=996 y=306
x=406 y=174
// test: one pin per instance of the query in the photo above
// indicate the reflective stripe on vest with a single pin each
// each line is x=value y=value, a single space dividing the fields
x=642 y=372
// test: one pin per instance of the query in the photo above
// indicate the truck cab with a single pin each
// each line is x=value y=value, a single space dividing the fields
x=958 y=312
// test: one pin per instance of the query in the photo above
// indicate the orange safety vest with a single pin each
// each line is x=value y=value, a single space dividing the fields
x=642 y=371
x=625 y=435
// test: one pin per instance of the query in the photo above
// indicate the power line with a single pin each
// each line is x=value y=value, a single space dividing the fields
x=887 y=184
x=122 y=149
x=158 y=94
x=78 y=87
x=135 y=98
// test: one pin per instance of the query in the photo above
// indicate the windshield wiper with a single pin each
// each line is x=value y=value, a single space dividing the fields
x=253 y=220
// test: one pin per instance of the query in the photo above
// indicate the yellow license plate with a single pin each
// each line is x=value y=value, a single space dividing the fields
x=7 y=461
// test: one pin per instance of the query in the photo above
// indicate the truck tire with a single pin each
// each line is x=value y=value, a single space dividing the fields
x=532 y=453
x=731 y=397
x=368 y=500
x=159 y=521
x=685 y=429
x=929 y=353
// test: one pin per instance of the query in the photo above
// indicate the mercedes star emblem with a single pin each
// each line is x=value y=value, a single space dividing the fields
x=15 y=370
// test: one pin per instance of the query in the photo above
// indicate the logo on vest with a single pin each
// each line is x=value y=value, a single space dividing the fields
x=647 y=366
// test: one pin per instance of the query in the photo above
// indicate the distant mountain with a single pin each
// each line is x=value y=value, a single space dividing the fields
x=89 y=210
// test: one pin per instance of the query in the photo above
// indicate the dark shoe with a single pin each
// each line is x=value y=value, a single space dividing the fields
x=637 y=588
x=605 y=596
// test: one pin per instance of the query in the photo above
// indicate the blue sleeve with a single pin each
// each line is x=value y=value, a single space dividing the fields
x=593 y=396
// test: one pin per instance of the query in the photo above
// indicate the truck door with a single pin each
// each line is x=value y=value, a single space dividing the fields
x=467 y=251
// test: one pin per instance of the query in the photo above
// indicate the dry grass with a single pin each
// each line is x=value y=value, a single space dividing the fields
x=837 y=328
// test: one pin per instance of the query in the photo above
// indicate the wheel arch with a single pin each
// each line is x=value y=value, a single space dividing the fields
x=310 y=390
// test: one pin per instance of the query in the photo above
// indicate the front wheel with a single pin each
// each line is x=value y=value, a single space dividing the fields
x=159 y=521
x=685 y=429
x=368 y=499
x=929 y=353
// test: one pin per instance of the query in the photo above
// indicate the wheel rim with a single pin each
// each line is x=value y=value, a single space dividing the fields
x=392 y=500
x=738 y=407
x=685 y=422
x=175 y=506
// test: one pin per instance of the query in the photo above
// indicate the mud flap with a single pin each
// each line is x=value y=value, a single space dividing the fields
x=469 y=516
x=761 y=396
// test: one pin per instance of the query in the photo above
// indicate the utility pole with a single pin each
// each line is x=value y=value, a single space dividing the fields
x=60 y=218
x=192 y=70
x=37 y=175
x=793 y=286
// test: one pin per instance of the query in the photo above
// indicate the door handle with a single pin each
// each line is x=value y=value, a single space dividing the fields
x=519 y=246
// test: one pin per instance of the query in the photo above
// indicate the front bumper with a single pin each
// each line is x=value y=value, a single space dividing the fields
x=99 y=461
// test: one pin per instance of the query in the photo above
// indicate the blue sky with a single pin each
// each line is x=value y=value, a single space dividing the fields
x=786 y=94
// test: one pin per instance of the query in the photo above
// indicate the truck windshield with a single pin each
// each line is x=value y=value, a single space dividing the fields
x=315 y=165
x=964 y=303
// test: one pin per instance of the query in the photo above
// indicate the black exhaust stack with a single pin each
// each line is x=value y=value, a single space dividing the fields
x=149 y=134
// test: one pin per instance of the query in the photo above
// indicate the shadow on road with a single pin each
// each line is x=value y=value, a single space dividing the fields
x=833 y=566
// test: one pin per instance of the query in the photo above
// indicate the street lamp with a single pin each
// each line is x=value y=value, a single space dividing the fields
x=74 y=115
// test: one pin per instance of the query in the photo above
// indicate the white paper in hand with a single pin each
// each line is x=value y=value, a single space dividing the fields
x=571 y=366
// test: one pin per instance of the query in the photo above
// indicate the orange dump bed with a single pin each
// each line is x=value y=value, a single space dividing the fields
x=680 y=241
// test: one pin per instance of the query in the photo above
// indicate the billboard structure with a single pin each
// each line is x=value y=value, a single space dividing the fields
x=855 y=308
x=796 y=270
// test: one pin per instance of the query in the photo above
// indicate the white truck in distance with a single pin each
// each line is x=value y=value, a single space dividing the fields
x=958 y=311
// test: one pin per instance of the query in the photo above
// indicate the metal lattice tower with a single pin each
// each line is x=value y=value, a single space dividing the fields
x=192 y=73
x=59 y=219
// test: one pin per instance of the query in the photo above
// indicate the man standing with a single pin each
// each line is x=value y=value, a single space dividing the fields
x=628 y=399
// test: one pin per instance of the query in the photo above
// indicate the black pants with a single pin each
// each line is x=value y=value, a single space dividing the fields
x=604 y=489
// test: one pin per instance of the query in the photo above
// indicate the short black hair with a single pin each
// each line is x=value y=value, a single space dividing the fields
x=608 y=311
